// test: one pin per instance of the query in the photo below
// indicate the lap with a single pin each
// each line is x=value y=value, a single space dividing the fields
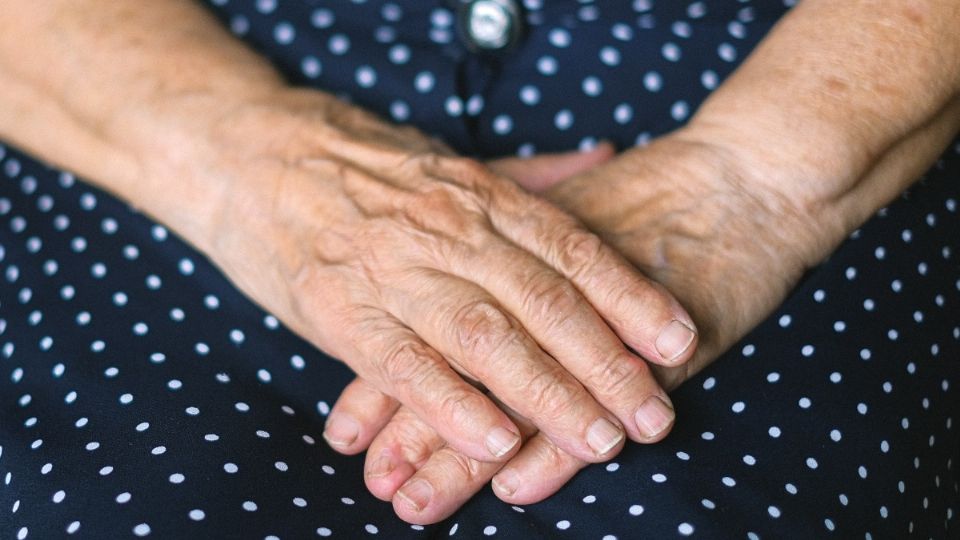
x=143 y=393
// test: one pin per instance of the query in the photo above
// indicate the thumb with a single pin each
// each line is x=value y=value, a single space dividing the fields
x=541 y=172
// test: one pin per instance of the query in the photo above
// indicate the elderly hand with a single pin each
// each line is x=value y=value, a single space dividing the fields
x=426 y=272
x=689 y=215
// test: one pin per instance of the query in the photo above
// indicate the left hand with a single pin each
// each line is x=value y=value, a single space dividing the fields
x=729 y=255
x=726 y=230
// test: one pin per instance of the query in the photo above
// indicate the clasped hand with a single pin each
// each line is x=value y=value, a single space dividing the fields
x=445 y=286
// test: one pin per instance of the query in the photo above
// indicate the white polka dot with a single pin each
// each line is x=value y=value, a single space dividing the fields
x=530 y=95
x=311 y=66
x=671 y=51
x=727 y=52
x=297 y=362
x=338 y=44
x=366 y=76
x=610 y=56
x=454 y=106
x=679 y=111
x=547 y=65
x=592 y=86
x=623 y=113
x=424 y=82
x=559 y=37
x=502 y=124
x=563 y=119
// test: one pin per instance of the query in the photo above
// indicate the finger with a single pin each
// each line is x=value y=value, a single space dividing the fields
x=567 y=327
x=395 y=454
x=359 y=414
x=446 y=480
x=485 y=342
x=539 y=470
x=404 y=366
x=441 y=486
x=543 y=171
x=641 y=312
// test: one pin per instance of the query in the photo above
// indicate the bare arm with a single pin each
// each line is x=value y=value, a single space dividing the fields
x=832 y=94
x=416 y=267
x=112 y=90
x=840 y=108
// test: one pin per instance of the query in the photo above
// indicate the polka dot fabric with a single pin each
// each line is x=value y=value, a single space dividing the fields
x=142 y=396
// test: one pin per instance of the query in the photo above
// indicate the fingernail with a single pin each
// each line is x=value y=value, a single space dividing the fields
x=674 y=340
x=654 y=416
x=603 y=436
x=501 y=440
x=341 y=430
x=417 y=494
x=381 y=467
x=506 y=482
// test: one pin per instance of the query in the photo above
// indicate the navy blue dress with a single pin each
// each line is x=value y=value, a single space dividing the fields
x=142 y=395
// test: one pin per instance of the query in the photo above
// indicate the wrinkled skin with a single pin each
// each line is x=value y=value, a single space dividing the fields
x=431 y=275
x=690 y=215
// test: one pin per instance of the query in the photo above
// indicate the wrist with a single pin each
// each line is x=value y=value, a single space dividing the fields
x=237 y=163
x=790 y=210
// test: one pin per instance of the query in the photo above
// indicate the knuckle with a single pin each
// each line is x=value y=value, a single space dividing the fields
x=452 y=213
x=578 y=252
x=464 y=469
x=481 y=328
x=457 y=408
x=616 y=376
x=408 y=363
x=550 y=299
x=550 y=455
x=638 y=300
x=553 y=394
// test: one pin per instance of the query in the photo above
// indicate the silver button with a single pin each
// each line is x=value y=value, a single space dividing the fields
x=491 y=24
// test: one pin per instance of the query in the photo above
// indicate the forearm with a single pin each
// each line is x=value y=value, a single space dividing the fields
x=107 y=88
x=837 y=90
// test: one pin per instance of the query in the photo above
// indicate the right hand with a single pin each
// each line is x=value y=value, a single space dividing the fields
x=426 y=272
